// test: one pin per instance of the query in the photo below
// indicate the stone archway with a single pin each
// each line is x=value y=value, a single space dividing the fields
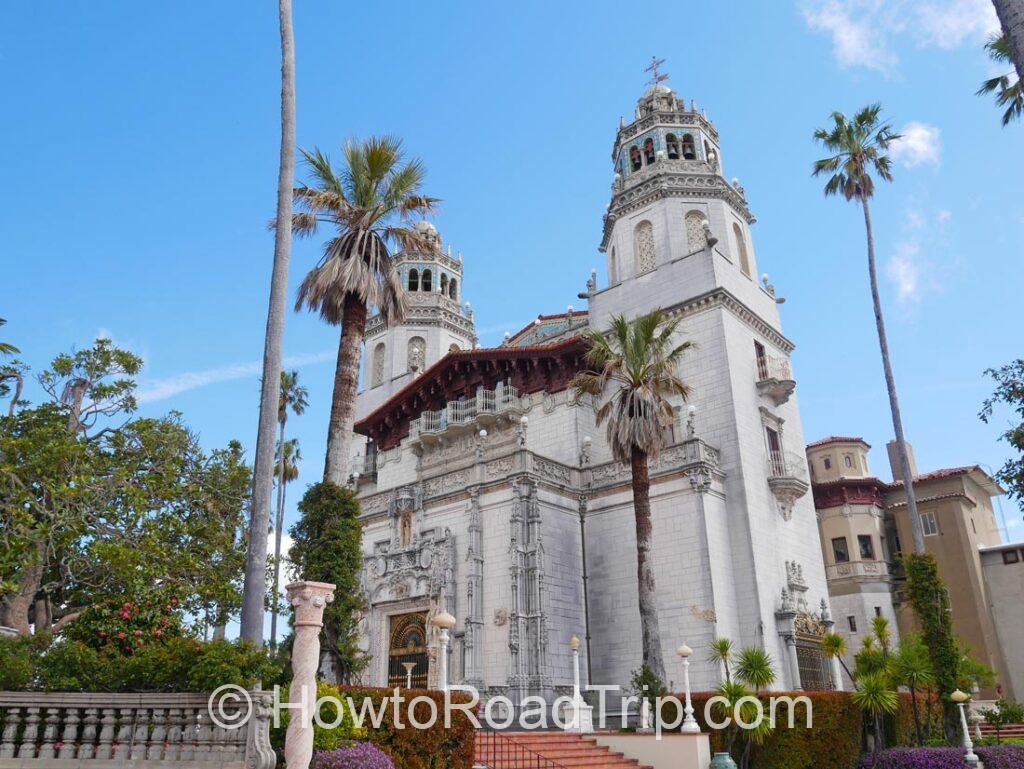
x=407 y=650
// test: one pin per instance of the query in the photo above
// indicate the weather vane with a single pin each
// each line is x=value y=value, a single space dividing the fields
x=656 y=77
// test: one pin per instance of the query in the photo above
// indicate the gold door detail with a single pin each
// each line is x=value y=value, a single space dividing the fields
x=407 y=648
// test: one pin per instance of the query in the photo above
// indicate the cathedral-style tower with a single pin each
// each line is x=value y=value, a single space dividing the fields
x=677 y=236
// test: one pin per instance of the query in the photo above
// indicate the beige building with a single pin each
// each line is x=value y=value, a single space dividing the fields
x=1003 y=569
x=863 y=523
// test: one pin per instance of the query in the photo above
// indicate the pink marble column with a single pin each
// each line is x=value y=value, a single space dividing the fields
x=308 y=600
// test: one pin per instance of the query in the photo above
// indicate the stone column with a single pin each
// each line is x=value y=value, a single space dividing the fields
x=309 y=600
x=794 y=661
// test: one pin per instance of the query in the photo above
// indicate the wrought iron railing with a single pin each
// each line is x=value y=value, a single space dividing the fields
x=495 y=750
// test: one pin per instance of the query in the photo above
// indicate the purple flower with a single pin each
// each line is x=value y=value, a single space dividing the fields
x=353 y=755
x=996 y=757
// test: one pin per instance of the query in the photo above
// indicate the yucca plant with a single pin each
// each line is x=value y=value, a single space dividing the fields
x=754 y=667
x=633 y=375
x=834 y=647
x=721 y=653
x=911 y=667
x=875 y=697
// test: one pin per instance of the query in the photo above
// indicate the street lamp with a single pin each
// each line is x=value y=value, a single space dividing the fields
x=960 y=698
x=582 y=719
x=689 y=723
x=443 y=622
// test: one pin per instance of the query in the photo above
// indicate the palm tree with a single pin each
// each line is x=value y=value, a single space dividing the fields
x=876 y=698
x=834 y=647
x=6 y=348
x=292 y=396
x=368 y=202
x=857 y=148
x=1009 y=92
x=287 y=470
x=1011 y=19
x=880 y=627
x=634 y=370
x=911 y=668
x=755 y=668
x=13 y=371
x=721 y=653
x=255 y=586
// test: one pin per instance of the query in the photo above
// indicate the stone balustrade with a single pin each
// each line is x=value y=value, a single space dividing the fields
x=124 y=730
x=459 y=414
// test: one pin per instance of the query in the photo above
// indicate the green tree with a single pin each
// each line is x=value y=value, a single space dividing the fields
x=834 y=647
x=368 y=202
x=1011 y=19
x=94 y=508
x=292 y=397
x=326 y=548
x=1009 y=91
x=10 y=372
x=912 y=668
x=722 y=653
x=875 y=697
x=633 y=375
x=754 y=672
x=6 y=348
x=259 y=524
x=1009 y=393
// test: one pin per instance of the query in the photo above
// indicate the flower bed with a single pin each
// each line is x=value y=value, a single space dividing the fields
x=994 y=757
x=355 y=755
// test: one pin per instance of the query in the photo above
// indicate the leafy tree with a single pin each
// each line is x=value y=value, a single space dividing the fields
x=875 y=697
x=259 y=523
x=1008 y=90
x=368 y=203
x=633 y=370
x=292 y=397
x=326 y=548
x=911 y=667
x=93 y=509
x=1009 y=392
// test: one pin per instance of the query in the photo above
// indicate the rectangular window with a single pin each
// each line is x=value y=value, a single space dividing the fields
x=897 y=548
x=840 y=550
x=867 y=547
x=929 y=524
x=1010 y=556
x=973 y=527
x=853 y=623
x=878 y=611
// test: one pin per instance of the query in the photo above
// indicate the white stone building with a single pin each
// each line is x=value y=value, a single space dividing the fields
x=486 y=492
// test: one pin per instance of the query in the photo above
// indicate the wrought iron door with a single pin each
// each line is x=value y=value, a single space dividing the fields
x=407 y=650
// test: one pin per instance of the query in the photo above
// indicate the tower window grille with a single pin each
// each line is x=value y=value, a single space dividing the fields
x=644 y=243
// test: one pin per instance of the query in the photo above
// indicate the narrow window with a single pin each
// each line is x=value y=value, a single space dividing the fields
x=643 y=245
x=828 y=463
x=775 y=458
x=425 y=283
x=695 y=235
x=741 y=249
x=878 y=611
x=848 y=460
x=649 y=151
x=853 y=623
x=414 y=279
x=1010 y=556
x=672 y=144
x=613 y=268
x=453 y=347
x=689 y=149
x=867 y=547
x=929 y=524
x=634 y=158
x=453 y=289
x=840 y=550
x=761 y=360
x=377 y=376
x=444 y=284
x=416 y=354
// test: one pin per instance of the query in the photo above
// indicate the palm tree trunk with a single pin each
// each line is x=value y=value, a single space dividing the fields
x=255 y=587
x=346 y=380
x=890 y=383
x=278 y=523
x=1011 y=19
x=917 y=716
x=644 y=570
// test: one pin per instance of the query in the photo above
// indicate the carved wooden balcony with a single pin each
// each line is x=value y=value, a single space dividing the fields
x=775 y=378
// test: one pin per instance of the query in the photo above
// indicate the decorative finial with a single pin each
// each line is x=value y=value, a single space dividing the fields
x=656 y=77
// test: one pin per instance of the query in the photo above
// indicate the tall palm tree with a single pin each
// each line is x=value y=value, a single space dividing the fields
x=1009 y=91
x=368 y=202
x=857 y=148
x=1011 y=19
x=876 y=698
x=634 y=371
x=287 y=470
x=255 y=587
x=6 y=348
x=292 y=397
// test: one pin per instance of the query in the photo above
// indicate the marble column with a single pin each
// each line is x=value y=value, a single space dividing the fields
x=794 y=661
x=308 y=600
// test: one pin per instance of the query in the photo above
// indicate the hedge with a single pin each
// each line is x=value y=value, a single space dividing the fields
x=995 y=757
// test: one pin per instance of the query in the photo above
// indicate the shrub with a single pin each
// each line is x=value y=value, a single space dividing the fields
x=999 y=757
x=324 y=739
x=16 y=662
x=125 y=626
x=355 y=755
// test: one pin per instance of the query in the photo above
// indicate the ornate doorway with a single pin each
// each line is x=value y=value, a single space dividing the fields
x=815 y=668
x=407 y=650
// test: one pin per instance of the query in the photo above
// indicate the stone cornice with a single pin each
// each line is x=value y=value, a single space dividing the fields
x=428 y=310
x=720 y=297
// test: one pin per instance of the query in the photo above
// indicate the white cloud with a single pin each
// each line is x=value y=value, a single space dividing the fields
x=916 y=267
x=918 y=144
x=161 y=389
x=903 y=270
x=865 y=32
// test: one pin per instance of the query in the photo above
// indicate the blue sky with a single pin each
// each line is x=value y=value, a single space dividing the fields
x=139 y=154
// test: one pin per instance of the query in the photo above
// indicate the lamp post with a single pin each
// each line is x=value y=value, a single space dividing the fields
x=443 y=622
x=582 y=719
x=690 y=725
x=960 y=698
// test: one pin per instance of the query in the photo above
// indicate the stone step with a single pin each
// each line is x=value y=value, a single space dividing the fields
x=572 y=751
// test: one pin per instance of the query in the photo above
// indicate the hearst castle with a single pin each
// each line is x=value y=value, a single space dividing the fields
x=488 y=493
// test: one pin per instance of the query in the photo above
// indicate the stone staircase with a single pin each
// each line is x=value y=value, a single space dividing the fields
x=1006 y=732
x=546 y=750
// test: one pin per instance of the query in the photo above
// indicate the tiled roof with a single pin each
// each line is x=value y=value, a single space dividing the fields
x=543 y=319
x=837 y=439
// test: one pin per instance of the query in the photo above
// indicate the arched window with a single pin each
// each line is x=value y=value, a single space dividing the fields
x=377 y=376
x=741 y=249
x=672 y=143
x=634 y=158
x=689 y=150
x=613 y=268
x=649 y=151
x=453 y=289
x=425 y=284
x=414 y=280
x=695 y=236
x=643 y=246
x=444 y=284
x=453 y=347
x=416 y=354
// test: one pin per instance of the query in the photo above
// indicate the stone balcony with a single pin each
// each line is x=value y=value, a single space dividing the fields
x=787 y=478
x=775 y=378
x=859 y=571
x=466 y=416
